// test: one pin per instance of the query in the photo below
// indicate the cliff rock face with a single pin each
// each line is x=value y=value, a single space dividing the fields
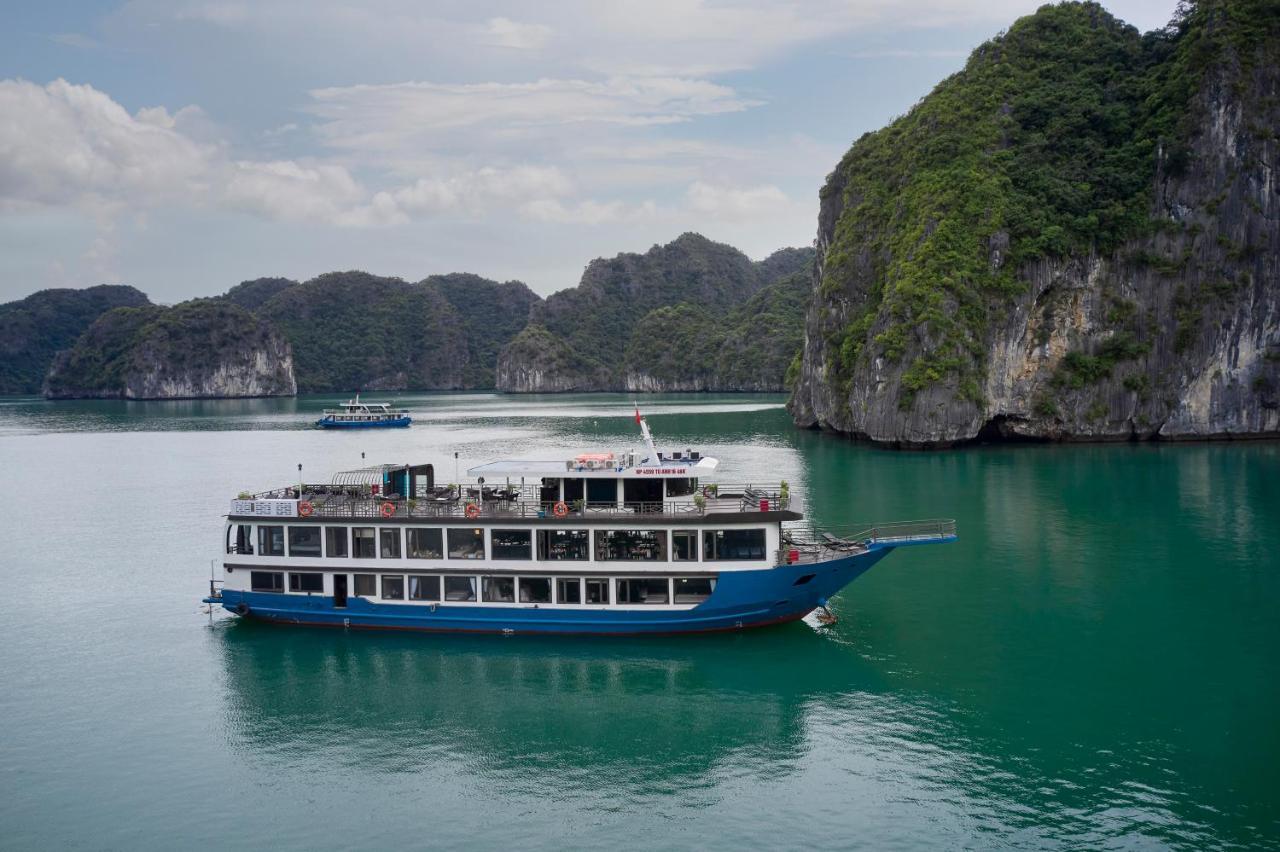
x=33 y=330
x=666 y=320
x=198 y=349
x=1047 y=299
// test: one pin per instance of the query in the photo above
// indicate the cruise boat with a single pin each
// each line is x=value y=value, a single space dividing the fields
x=355 y=414
x=597 y=543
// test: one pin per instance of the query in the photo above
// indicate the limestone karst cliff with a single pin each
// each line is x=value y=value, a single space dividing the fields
x=690 y=315
x=1075 y=237
x=198 y=349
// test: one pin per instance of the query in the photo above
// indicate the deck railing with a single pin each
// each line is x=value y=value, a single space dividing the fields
x=805 y=543
x=355 y=502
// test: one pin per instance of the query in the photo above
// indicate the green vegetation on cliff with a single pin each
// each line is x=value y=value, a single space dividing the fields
x=33 y=330
x=353 y=330
x=680 y=316
x=1047 y=143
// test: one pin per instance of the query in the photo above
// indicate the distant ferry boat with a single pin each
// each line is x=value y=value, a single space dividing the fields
x=355 y=414
x=600 y=543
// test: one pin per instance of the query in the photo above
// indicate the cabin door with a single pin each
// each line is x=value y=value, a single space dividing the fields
x=340 y=590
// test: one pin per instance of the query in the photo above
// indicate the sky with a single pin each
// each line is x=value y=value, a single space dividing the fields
x=183 y=146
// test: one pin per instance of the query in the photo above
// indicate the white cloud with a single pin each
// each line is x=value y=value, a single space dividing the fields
x=62 y=144
x=409 y=116
x=504 y=32
x=73 y=146
x=737 y=203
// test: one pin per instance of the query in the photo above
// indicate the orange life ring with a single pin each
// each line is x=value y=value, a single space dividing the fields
x=388 y=509
x=472 y=511
x=560 y=510
x=305 y=509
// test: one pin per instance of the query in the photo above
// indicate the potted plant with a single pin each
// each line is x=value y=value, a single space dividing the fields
x=784 y=493
x=700 y=502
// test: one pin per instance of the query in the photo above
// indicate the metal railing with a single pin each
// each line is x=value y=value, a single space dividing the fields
x=347 y=502
x=803 y=543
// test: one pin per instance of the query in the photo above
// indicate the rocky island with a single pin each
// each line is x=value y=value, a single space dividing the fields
x=692 y=315
x=33 y=330
x=1075 y=237
x=201 y=348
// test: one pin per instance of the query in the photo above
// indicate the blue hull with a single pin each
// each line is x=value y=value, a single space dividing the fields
x=325 y=423
x=741 y=599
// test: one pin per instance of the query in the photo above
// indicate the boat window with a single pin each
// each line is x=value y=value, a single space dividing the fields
x=270 y=541
x=642 y=495
x=392 y=587
x=574 y=489
x=366 y=585
x=684 y=546
x=549 y=490
x=564 y=545
x=306 y=582
x=335 y=541
x=597 y=591
x=631 y=545
x=425 y=543
x=569 y=590
x=362 y=542
x=602 y=492
x=693 y=589
x=733 y=544
x=512 y=544
x=535 y=590
x=466 y=543
x=424 y=588
x=498 y=589
x=681 y=487
x=459 y=588
x=266 y=581
x=389 y=542
x=243 y=541
x=647 y=590
x=304 y=541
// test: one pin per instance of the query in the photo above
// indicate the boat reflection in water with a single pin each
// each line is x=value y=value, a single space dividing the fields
x=666 y=711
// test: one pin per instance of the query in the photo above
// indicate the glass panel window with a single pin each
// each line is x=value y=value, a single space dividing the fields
x=684 y=546
x=271 y=541
x=366 y=585
x=266 y=581
x=392 y=587
x=424 y=588
x=681 y=487
x=335 y=541
x=498 y=589
x=631 y=545
x=242 y=541
x=535 y=590
x=564 y=545
x=569 y=590
x=693 y=589
x=459 y=588
x=512 y=544
x=306 y=582
x=597 y=591
x=389 y=542
x=466 y=543
x=304 y=541
x=425 y=543
x=730 y=545
x=362 y=542
x=602 y=492
x=648 y=590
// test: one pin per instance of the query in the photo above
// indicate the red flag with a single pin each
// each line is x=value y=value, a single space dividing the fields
x=637 y=414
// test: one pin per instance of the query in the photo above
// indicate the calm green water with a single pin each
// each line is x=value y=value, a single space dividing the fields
x=1095 y=664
